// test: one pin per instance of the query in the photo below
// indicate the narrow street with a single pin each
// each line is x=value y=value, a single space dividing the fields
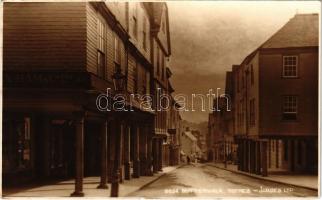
x=203 y=180
x=112 y=99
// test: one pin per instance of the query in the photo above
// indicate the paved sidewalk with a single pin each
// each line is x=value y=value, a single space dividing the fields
x=65 y=188
x=304 y=181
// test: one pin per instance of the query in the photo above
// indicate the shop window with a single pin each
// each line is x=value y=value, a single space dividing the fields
x=16 y=144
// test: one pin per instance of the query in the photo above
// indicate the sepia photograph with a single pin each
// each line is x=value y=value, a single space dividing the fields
x=160 y=99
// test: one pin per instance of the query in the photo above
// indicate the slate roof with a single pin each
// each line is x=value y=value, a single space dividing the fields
x=155 y=9
x=300 y=31
x=157 y=12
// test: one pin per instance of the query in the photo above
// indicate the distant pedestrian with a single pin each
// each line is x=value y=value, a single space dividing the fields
x=188 y=159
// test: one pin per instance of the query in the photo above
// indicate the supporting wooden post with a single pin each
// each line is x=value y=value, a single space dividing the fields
x=252 y=156
x=264 y=157
x=121 y=149
x=143 y=147
x=46 y=146
x=225 y=154
x=258 y=158
x=155 y=155
x=103 y=182
x=245 y=153
x=292 y=155
x=160 y=142
x=111 y=150
x=79 y=123
x=127 y=147
x=149 y=152
x=240 y=155
x=249 y=153
x=117 y=161
x=136 y=162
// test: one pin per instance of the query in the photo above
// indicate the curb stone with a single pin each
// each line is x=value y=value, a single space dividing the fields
x=154 y=180
x=260 y=178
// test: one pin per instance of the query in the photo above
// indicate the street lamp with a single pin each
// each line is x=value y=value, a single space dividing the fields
x=119 y=81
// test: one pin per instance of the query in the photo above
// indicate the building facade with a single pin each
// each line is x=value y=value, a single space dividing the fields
x=189 y=147
x=58 y=59
x=276 y=101
x=273 y=117
x=210 y=137
x=161 y=53
x=201 y=143
x=174 y=125
x=221 y=129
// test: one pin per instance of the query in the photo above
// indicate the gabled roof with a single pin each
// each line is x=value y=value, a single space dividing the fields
x=156 y=12
x=300 y=31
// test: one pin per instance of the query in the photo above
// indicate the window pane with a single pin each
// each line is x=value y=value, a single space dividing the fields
x=101 y=64
x=290 y=66
x=290 y=107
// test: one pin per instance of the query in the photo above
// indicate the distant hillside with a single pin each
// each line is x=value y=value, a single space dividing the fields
x=202 y=126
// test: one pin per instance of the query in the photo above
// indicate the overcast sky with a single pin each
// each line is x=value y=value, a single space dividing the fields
x=208 y=37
